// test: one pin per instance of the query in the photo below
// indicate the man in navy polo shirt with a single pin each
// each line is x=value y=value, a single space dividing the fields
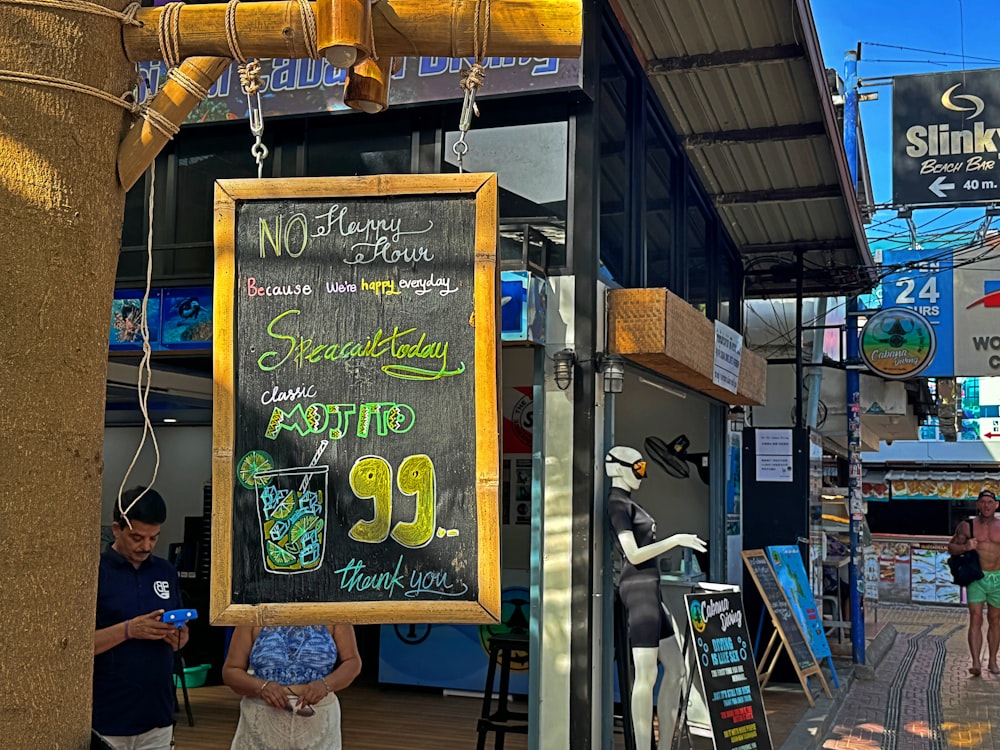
x=133 y=649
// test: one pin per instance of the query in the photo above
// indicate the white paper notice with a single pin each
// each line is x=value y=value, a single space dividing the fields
x=728 y=353
x=773 y=442
x=774 y=455
x=774 y=468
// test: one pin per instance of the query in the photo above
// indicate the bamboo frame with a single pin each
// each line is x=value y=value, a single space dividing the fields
x=367 y=86
x=523 y=28
x=402 y=28
x=143 y=142
x=229 y=194
x=344 y=31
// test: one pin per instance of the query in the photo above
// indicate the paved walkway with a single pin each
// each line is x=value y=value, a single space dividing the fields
x=922 y=696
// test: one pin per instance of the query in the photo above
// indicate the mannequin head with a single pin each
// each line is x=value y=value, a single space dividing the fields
x=625 y=466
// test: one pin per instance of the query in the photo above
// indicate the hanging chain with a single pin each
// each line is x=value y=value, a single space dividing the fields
x=250 y=82
x=472 y=78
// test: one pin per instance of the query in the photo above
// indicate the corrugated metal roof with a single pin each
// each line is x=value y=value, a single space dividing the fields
x=745 y=88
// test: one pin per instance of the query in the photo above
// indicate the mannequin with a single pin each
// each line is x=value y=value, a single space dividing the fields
x=651 y=635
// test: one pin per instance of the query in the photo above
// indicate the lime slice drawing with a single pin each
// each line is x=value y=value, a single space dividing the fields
x=278 y=557
x=249 y=465
x=284 y=507
x=304 y=524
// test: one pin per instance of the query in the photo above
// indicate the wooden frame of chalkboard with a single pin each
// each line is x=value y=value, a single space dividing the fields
x=786 y=627
x=356 y=411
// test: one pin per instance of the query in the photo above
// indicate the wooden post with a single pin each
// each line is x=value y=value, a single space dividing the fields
x=62 y=213
x=402 y=28
x=173 y=102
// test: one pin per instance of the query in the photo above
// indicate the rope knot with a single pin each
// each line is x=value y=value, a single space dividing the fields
x=473 y=77
x=250 y=80
x=128 y=15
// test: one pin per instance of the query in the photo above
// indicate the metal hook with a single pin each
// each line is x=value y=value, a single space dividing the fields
x=460 y=149
x=468 y=109
x=258 y=151
x=255 y=114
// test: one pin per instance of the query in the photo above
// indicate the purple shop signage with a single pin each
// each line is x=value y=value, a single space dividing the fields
x=295 y=87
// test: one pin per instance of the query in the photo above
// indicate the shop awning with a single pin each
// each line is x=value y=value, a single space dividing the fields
x=744 y=85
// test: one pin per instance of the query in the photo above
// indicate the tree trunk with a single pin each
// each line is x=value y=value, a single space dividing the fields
x=61 y=209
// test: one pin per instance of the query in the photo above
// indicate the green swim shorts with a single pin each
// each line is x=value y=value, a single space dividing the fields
x=986 y=589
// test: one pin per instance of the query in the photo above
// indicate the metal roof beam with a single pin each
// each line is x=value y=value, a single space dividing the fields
x=782 y=195
x=755 y=135
x=812 y=246
x=727 y=59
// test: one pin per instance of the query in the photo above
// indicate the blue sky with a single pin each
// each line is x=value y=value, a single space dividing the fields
x=938 y=33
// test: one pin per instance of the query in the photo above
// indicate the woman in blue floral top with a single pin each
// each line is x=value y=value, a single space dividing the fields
x=289 y=677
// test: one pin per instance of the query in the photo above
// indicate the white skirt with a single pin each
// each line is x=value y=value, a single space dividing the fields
x=263 y=727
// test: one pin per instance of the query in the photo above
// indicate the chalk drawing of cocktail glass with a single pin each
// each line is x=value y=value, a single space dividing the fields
x=291 y=507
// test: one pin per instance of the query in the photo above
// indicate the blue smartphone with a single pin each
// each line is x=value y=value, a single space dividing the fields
x=178 y=617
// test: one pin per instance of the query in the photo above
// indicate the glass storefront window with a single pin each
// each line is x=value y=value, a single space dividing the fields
x=615 y=173
x=728 y=293
x=133 y=230
x=659 y=208
x=349 y=145
x=201 y=160
x=699 y=247
x=531 y=163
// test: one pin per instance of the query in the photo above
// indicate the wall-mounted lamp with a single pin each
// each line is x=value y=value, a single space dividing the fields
x=612 y=367
x=737 y=418
x=562 y=368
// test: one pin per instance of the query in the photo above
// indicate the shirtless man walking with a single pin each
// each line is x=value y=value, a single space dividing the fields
x=984 y=537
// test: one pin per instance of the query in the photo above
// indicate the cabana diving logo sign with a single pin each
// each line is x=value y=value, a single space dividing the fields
x=898 y=343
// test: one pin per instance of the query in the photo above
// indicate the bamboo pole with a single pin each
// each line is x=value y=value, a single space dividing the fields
x=367 y=86
x=174 y=102
x=402 y=28
x=344 y=31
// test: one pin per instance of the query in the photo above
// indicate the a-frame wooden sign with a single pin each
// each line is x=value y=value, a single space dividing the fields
x=787 y=635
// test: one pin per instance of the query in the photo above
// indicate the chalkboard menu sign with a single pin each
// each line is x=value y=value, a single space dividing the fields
x=356 y=454
x=786 y=626
x=726 y=667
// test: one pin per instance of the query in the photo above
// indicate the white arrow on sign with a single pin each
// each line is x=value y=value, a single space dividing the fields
x=939 y=186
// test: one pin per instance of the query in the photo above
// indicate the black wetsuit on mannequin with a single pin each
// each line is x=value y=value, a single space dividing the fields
x=639 y=585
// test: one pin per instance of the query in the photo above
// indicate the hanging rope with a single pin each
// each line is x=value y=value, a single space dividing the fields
x=167 y=128
x=309 y=27
x=145 y=371
x=371 y=29
x=473 y=77
x=481 y=29
x=127 y=16
x=186 y=82
x=231 y=38
x=250 y=82
x=169 y=34
x=125 y=101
